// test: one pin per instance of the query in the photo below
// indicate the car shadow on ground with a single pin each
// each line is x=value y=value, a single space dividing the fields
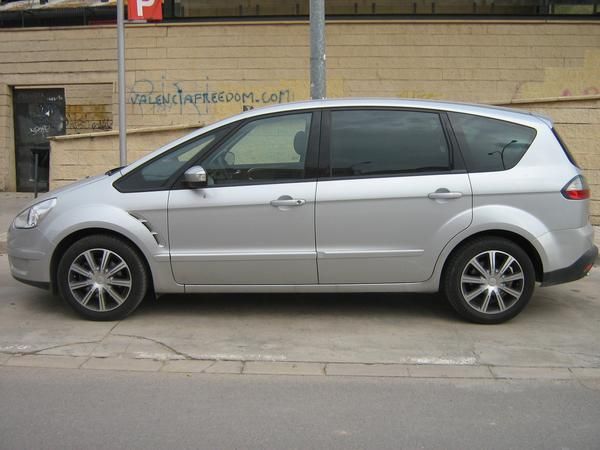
x=545 y=305
x=400 y=305
x=348 y=305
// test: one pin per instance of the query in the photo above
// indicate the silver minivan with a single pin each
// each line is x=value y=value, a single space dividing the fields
x=362 y=195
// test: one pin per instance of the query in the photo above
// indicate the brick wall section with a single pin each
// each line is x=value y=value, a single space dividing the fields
x=78 y=156
x=457 y=61
x=88 y=108
x=578 y=123
x=198 y=73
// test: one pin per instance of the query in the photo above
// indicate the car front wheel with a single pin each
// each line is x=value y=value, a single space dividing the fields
x=102 y=277
x=489 y=280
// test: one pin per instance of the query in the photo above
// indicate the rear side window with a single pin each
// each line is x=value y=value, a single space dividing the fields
x=490 y=145
x=387 y=142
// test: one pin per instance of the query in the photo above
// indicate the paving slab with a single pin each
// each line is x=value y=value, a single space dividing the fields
x=143 y=365
x=367 y=370
x=586 y=372
x=224 y=367
x=448 y=371
x=55 y=362
x=187 y=366
x=534 y=373
x=283 y=368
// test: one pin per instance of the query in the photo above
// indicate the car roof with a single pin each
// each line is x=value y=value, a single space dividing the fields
x=498 y=112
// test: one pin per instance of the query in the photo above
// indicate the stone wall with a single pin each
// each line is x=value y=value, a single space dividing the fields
x=73 y=157
x=88 y=108
x=200 y=72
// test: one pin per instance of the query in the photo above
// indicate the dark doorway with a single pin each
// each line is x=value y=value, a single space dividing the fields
x=39 y=113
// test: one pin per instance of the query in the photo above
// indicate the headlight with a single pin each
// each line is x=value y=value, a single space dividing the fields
x=32 y=216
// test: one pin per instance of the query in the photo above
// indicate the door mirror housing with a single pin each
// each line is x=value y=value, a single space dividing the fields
x=195 y=177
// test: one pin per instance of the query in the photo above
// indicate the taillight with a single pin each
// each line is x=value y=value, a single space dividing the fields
x=576 y=189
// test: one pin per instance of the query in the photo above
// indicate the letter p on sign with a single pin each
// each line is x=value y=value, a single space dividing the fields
x=145 y=9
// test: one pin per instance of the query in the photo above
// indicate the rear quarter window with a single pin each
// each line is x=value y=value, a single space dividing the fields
x=490 y=145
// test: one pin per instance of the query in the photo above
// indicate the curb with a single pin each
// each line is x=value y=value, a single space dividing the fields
x=300 y=368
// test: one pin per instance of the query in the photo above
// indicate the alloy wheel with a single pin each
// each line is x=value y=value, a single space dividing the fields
x=492 y=282
x=99 y=279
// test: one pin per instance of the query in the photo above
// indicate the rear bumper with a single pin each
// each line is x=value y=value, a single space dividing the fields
x=575 y=271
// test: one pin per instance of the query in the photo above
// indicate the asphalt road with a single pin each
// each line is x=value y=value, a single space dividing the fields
x=75 y=409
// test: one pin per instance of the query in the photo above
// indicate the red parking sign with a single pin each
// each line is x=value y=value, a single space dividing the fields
x=145 y=10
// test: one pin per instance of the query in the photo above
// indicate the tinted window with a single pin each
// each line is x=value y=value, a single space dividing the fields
x=156 y=174
x=263 y=150
x=371 y=142
x=489 y=144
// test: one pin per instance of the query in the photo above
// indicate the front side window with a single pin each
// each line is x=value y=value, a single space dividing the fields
x=264 y=150
x=490 y=145
x=156 y=174
x=387 y=142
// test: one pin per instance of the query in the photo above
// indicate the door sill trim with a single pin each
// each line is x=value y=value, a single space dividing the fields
x=344 y=254
x=308 y=288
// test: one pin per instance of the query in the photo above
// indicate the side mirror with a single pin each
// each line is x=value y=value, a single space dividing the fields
x=195 y=177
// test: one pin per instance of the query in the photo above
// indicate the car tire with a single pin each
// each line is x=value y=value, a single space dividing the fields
x=102 y=277
x=489 y=280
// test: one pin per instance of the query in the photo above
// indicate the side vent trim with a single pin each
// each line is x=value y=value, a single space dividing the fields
x=148 y=226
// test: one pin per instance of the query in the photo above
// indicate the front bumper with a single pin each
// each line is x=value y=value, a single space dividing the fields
x=29 y=256
x=575 y=271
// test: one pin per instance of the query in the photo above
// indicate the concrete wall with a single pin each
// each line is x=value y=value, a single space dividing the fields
x=78 y=156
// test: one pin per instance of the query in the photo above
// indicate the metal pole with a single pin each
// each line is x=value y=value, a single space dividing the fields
x=121 y=82
x=36 y=159
x=317 y=49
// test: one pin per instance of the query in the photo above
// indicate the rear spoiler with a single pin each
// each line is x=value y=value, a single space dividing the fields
x=547 y=120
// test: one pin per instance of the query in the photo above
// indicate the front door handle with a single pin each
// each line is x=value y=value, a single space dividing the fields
x=444 y=194
x=286 y=200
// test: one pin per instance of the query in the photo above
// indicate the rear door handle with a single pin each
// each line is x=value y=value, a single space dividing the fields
x=444 y=194
x=286 y=200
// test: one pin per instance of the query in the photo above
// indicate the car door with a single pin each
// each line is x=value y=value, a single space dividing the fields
x=253 y=223
x=394 y=195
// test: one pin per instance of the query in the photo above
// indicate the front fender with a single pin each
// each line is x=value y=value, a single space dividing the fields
x=119 y=221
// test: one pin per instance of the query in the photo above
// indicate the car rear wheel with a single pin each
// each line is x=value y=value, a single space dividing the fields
x=102 y=278
x=489 y=280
